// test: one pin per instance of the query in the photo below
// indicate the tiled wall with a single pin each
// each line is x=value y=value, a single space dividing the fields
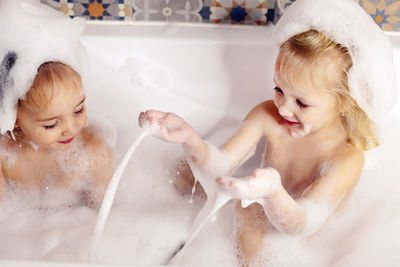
x=386 y=13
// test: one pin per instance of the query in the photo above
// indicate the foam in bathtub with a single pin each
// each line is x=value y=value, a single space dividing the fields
x=146 y=74
x=248 y=190
x=218 y=163
x=112 y=189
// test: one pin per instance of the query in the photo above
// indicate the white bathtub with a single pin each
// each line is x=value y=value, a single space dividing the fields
x=202 y=61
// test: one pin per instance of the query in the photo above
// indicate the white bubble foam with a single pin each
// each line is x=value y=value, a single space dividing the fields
x=34 y=34
x=146 y=74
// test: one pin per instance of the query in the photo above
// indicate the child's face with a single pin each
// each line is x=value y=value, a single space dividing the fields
x=57 y=125
x=304 y=110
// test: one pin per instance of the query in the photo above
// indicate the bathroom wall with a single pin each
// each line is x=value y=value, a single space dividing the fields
x=386 y=13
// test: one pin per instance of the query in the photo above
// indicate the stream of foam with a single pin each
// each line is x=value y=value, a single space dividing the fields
x=110 y=194
x=216 y=199
x=212 y=205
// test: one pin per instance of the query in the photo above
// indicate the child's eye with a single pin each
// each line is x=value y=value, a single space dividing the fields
x=49 y=127
x=79 y=111
x=301 y=104
x=278 y=90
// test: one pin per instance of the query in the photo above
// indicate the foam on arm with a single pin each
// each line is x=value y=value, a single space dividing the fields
x=338 y=178
x=208 y=162
x=296 y=218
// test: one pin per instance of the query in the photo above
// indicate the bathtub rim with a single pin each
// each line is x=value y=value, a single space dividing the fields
x=210 y=32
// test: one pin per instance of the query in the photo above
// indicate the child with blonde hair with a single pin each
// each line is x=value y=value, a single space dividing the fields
x=334 y=85
x=46 y=141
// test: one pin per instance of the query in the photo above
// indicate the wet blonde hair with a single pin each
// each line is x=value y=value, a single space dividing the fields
x=325 y=63
x=51 y=77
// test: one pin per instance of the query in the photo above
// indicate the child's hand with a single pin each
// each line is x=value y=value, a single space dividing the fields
x=170 y=127
x=262 y=183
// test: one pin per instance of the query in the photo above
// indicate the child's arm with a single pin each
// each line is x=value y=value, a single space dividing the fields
x=305 y=216
x=3 y=183
x=174 y=129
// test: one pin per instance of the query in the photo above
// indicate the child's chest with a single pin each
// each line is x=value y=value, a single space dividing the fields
x=38 y=169
x=297 y=162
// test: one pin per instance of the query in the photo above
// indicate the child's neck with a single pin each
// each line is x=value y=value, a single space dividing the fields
x=334 y=133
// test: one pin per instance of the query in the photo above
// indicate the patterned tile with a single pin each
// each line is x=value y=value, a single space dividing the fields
x=239 y=11
x=386 y=13
x=53 y=3
x=94 y=9
x=168 y=10
x=205 y=11
x=279 y=8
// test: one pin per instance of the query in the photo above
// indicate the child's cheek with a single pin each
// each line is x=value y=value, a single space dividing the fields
x=83 y=122
x=47 y=137
x=278 y=100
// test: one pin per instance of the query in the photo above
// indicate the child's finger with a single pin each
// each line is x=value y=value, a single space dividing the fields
x=220 y=180
x=142 y=119
x=155 y=114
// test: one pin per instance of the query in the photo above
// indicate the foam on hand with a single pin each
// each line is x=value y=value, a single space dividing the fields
x=263 y=183
x=149 y=126
x=32 y=34
x=371 y=79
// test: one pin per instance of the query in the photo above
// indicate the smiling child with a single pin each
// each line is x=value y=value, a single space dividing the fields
x=46 y=142
x=329 y=98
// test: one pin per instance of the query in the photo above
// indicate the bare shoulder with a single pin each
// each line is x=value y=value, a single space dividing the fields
x=6 y=143
x=350 y=159
x=101 y=156
x=264 y=115
x=265 y=110
x=99 y=150
x=92 y=140
x=343 y=169
x=8 y=147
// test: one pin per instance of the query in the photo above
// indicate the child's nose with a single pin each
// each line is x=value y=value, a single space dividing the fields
x=70 y=127
x=284 y=110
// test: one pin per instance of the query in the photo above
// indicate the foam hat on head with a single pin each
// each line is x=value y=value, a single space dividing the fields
x=30 y=35
x=371 y=79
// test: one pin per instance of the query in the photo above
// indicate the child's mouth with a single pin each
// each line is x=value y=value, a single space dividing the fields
x=291 y=123
x=66 y=141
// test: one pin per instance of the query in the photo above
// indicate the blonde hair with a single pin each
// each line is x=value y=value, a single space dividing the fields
x=51 y=77
x=312 y=53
